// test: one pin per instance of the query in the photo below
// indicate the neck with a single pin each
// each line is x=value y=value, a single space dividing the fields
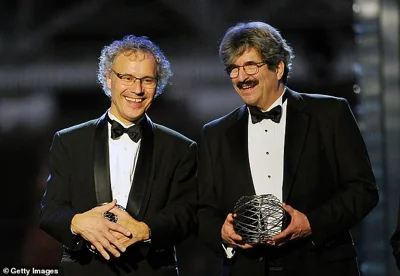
x=124 y=122
x=271 y=98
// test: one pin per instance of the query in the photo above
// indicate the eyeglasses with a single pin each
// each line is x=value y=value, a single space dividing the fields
x=250 y=68
x=127 y=79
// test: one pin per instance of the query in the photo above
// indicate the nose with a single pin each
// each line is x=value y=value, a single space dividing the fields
x=242 y=75
x=137 y=86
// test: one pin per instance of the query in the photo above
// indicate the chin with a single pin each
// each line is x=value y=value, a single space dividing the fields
x=134 y=112
x=131 y=117
x=249 y=101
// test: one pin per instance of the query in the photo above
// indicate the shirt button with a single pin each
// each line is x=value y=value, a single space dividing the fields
x=269 y=176
x=267 y=153
x=266 y=130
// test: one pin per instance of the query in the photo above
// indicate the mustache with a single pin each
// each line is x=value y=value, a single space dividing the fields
x=249 y=82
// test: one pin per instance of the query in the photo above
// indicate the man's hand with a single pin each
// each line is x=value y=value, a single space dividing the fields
x=140 y=231
x=94 y=228
x=299 y=227
x=229 y=235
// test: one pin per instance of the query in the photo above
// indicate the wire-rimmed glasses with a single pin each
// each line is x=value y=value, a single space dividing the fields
x=128 y=79
x=250 y=68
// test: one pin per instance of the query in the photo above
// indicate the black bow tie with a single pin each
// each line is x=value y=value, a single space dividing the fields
x=134 y=132
x=257 y=115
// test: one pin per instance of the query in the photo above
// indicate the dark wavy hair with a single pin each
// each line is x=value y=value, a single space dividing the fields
x=261 y=36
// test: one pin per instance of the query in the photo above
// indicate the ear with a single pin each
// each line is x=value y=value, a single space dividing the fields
x=280 y=69
x=108 y=78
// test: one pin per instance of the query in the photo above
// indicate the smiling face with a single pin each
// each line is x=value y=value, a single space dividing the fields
x=261 y=89
x=130 y=102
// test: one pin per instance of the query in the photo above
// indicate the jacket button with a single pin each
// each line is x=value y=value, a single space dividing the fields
x=261 y=259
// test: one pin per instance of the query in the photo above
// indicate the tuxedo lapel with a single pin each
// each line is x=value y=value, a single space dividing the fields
x=101 y=162
x=296 y=130
x=237 y=137
x=141 y=186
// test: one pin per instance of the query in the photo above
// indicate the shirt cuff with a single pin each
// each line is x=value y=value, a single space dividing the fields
x=229 y=251
x=73 y=233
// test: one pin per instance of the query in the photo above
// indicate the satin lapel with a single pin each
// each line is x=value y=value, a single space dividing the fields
x=141 y=186
x=101 y=163
x=296 y=131
x=237 y=137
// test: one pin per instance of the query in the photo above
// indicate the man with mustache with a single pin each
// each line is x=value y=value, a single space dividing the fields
x=122 y=189
x=304 y=149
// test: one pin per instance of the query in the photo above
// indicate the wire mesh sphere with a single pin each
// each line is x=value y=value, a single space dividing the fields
x=258 y=218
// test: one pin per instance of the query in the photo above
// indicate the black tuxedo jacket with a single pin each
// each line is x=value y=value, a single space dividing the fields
x=327 y=176
x=395 y=240
x=163 y=195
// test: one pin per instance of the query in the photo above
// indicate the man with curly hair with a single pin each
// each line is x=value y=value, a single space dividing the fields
x=122 y=189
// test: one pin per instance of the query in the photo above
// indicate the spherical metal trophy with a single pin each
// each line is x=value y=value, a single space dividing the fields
x=258 y=218
x=109 y=216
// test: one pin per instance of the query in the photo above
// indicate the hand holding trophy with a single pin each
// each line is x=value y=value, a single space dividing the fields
x=258 y=218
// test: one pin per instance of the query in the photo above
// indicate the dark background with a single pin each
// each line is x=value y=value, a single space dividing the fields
x=48 y=60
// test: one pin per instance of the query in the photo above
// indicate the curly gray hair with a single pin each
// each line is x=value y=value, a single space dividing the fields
x=133 y=43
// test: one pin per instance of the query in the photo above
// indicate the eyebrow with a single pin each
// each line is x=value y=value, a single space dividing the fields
x=124 y=74
x=244 y=64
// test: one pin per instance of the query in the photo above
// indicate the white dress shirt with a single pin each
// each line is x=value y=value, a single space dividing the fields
x=266 y=141
x=123 y=154
x=266 y=145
